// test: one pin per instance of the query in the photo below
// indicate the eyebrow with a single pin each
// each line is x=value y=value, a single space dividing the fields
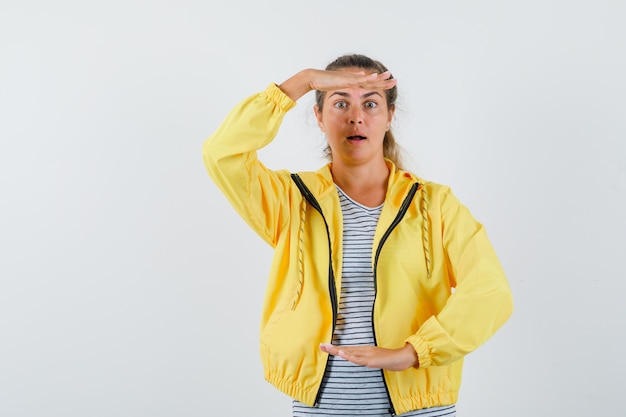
x=366 y=95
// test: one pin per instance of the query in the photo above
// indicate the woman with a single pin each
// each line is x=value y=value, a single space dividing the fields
x=381 y=282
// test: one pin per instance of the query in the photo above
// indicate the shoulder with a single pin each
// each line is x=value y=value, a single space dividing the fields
x=437 y=197
x=430 y=189
x=319 y=182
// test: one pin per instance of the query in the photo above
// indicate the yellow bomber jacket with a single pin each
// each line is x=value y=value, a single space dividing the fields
x=439 y=284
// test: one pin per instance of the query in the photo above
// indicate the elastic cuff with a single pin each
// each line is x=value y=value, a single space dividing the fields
x=423 y=353
x=275 y=94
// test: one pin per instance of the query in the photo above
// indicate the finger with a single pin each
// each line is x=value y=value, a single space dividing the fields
x=328 y=348
x=355 y=358
x=363 y=79
x=348 y=353
x=383 y=81
x=382 y=76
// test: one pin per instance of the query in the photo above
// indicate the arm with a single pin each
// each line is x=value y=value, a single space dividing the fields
x=230 y=153
x=230 y=157
x=482 y=301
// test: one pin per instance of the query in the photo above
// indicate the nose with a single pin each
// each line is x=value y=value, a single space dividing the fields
x=356 y=116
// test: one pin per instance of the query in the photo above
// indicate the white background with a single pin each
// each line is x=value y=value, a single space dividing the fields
x=128 y=285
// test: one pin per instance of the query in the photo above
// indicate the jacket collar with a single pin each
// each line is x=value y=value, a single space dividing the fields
x=321 y=183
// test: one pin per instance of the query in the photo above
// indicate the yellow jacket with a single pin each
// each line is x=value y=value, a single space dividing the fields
x=439 y=284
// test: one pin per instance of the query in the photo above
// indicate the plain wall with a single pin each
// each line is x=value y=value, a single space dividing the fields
x=128 y=285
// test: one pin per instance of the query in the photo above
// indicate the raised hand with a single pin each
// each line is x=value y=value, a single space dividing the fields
x=314 y=79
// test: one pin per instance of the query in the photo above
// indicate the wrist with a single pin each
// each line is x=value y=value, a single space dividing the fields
x=297 y=85
x=413 y=358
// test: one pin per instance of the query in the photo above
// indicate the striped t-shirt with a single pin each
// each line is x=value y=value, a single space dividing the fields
x=349 y=389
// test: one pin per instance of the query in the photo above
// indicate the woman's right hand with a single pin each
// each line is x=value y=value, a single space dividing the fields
x=314 y=79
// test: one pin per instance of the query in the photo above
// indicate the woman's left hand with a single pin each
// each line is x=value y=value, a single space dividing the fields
x=376 y=357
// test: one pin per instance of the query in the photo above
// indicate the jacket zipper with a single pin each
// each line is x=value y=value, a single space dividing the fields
x=403 y=209
x=306 y=193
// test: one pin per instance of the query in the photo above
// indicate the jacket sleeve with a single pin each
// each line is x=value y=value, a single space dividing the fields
x=230 y=157
x=481 y=302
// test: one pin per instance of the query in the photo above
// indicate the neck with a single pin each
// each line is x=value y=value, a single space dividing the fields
x=366 y=184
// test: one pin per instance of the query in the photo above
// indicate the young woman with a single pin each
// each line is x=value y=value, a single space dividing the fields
x=381 y=282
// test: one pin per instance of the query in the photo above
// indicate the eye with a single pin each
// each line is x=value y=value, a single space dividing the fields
x=371 y=105
x=341 y=105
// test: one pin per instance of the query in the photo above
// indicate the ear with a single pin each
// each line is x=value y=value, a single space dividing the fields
x=392 y=110
x=318 y=116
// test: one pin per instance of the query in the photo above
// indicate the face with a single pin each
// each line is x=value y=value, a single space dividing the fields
x=355 y=121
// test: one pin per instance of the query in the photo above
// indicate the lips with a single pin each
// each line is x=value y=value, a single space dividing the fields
x=356 y=137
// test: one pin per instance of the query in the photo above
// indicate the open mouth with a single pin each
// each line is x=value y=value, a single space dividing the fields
x=356 y=137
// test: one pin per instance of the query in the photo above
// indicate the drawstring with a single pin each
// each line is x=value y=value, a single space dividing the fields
x=425 y=231
x=300 y=255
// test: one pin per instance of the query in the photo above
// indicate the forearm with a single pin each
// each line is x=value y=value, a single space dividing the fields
x=481 y=302
x=461 y=327
x=298 y=85
x=231 y=160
